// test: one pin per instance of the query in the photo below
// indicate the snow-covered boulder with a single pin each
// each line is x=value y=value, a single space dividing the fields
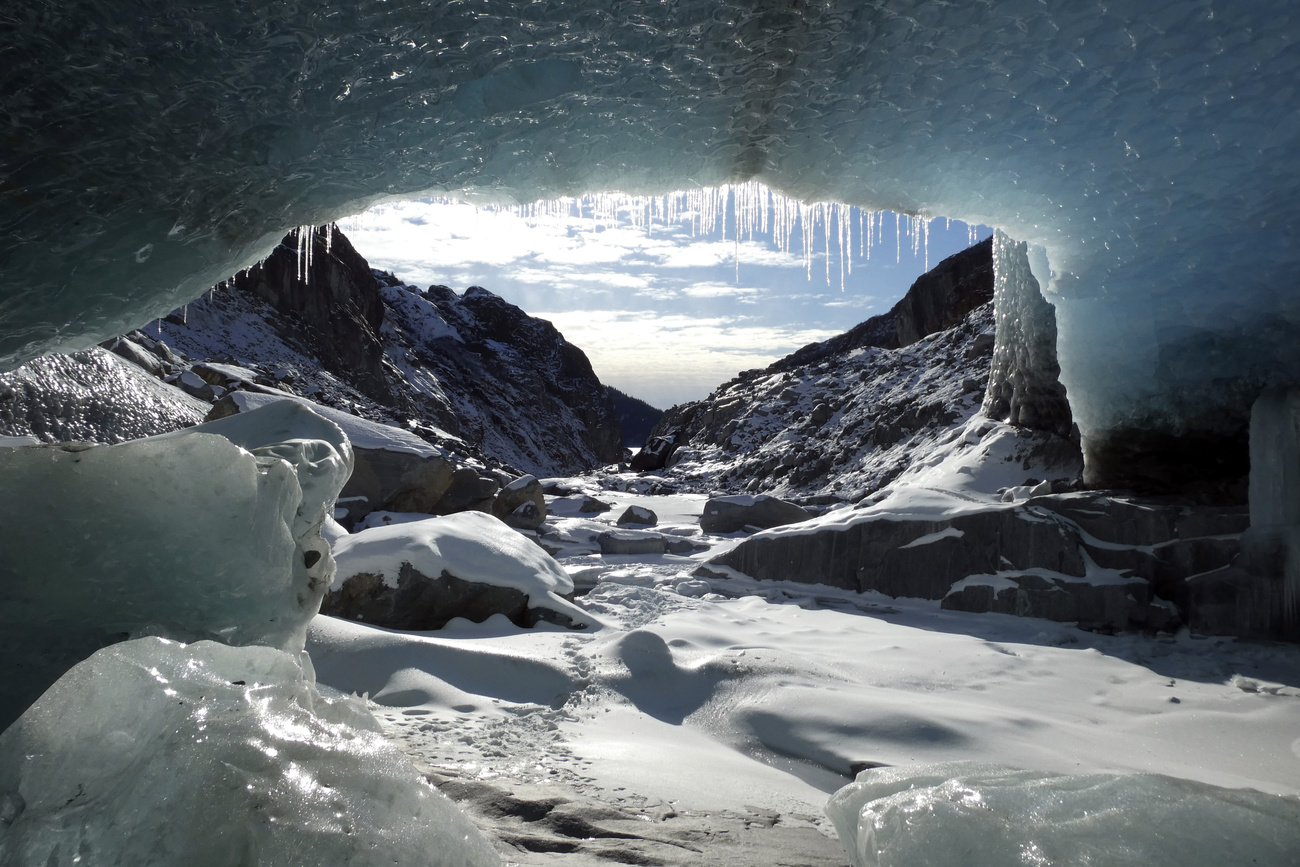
x=422 y=574
x=514 y=497
x=618 y=542
x=731 y=513
x=153 y=754
x=638 y=515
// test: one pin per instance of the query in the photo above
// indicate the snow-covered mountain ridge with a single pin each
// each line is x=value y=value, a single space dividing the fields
x=838 y=420
x=315 y=320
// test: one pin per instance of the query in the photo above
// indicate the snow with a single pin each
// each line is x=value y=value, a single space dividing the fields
x=768 y=701
x=715 y=697
x=361 y=432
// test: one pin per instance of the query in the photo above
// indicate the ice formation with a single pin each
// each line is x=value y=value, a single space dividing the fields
x=1147 y=148
x=1024 y=383
x=154 y=754
x=210 y=532
x=966 y=814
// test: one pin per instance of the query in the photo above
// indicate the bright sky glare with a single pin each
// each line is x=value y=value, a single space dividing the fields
x=668 y=309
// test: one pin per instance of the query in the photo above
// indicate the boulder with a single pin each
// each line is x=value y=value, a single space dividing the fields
x=468 y=490
x=517 y=493
x=590 y=505
x=395 y=481
x=137 y=355
x=731 y=513
x=655 y=453
x=527 y=517
x=419 y=602
x=638 y=515
x=631 y=542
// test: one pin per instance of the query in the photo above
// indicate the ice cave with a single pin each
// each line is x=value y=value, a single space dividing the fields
x=1137 y=159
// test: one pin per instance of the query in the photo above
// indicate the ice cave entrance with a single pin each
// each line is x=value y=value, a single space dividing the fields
x=669 y=295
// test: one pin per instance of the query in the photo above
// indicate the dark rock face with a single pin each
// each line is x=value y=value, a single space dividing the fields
x=729 y=514
x=526 y=383
x=1107 y=607
x=419 y=602
x=1150 y=557
x=946 y=294
x=330 y=300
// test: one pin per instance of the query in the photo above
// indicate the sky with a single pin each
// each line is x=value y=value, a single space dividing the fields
x=659 y=293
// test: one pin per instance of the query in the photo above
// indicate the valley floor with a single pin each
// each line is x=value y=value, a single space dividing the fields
x=709 y=724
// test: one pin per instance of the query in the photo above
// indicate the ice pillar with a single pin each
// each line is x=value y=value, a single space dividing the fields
x=1024 y=384
x=1272 y=545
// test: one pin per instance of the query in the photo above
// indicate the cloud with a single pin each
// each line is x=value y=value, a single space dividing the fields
x=670 y=358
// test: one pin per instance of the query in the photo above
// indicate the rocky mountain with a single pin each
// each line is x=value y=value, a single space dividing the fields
x=839 y=419
x=314 y=320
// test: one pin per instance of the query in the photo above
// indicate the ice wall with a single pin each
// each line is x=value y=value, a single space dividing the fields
x=969 y=815
x=1024 y=385
x=212 y=532
x=1148 y=148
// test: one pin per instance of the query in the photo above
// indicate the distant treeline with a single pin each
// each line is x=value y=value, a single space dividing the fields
x=637 y=417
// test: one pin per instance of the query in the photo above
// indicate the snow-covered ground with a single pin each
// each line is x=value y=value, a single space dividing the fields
x=710 y=724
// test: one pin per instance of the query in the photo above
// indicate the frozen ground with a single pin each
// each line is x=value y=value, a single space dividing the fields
x=709 y=724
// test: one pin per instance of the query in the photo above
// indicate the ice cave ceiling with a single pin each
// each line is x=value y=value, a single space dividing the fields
x=151 y=149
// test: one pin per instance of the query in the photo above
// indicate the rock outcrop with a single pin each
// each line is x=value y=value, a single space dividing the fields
x=328 y=300
x=727 y=514
x=1104 y=559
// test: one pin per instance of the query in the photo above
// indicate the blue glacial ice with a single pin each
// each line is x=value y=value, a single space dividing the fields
x=971 y=815
x=1148 y=149
x=212 y=532
x=155 y=754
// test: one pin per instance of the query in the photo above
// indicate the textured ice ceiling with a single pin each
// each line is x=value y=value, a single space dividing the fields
x=150 y=149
